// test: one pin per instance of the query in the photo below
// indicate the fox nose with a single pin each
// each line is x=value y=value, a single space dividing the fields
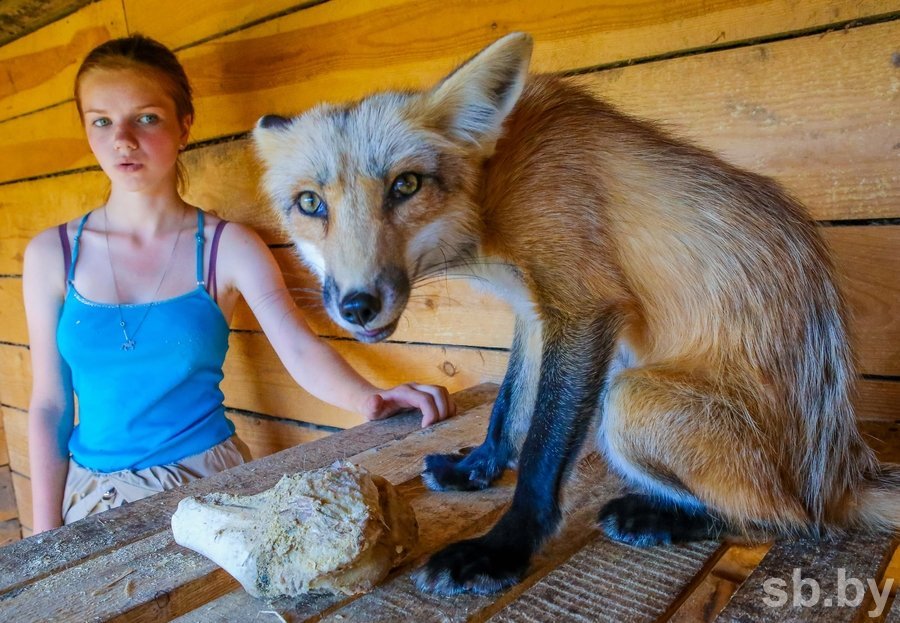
x=359 y=308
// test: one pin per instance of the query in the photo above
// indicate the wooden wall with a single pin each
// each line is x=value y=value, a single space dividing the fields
x=808 y=92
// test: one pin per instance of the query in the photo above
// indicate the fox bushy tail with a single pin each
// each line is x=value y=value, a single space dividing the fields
x=879 y=500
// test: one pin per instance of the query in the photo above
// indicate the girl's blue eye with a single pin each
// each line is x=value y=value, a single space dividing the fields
x=100 y=123
x=148 y=118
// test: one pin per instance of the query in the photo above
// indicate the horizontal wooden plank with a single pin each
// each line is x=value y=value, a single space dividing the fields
x=884 y=437
x=867 y=259
x=829 y=136
x=156 y=565
x=15 y=424
x=859 y=556
x=15 y=370
x=442 y=312
x=878 y=400
x=38 y=70
x=21 y=17
x=8 y=508
x=271 y=67
x=612 y=582
x=31 y=207
x=180 y=24
x=22 y=489
x=256 y=381
x=10 y=531
x=13 y=328
x=578 y=34
x=265 y=436
x=140 y=521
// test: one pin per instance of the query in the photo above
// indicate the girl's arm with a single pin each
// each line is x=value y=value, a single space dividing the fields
x=51 y=410
x=315 y=366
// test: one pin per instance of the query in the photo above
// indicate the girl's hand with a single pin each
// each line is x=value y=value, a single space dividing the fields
x=432 y=400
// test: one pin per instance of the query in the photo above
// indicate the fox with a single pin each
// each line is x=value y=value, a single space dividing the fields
x=681 y=310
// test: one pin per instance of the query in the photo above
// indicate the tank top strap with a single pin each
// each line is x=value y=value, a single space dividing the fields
x=200 y=241
x=213 y=254
x=70 y=262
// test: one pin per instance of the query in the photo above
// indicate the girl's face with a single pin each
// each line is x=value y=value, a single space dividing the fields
x=133 y=128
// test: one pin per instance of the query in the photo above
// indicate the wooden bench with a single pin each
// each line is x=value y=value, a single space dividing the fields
x=124 y=566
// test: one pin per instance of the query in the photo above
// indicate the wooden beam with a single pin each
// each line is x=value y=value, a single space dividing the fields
x=828 y=136
x=21 y=17
x=272 y=67
x=790 y=561
x=38 y=70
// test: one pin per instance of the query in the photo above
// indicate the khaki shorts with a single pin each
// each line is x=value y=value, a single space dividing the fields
x=88 y=492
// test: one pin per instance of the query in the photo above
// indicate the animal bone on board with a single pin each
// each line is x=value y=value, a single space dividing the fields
x=338 y=529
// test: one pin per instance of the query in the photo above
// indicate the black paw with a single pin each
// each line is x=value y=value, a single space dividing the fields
x=473 y=566
x=458 y=472
x=642 y=521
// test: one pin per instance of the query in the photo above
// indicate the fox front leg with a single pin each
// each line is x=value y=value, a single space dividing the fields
x=576 y=357
x=508 y=425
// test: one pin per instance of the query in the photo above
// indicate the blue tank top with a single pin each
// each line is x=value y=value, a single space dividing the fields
x=159 y=402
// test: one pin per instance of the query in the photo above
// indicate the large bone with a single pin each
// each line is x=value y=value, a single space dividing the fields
x=337 y=529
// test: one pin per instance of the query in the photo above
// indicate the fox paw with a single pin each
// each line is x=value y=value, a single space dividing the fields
x=459 y=472
x=641 y=521
x=472 y=566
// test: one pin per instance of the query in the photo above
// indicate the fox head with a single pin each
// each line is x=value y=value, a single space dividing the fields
x=382 y=194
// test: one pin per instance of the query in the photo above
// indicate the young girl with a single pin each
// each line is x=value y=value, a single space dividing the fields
x=128 y=308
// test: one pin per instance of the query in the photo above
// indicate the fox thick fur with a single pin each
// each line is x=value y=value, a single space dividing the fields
x=686 y=307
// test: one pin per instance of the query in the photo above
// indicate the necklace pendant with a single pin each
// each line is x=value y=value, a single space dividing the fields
x=128 y=345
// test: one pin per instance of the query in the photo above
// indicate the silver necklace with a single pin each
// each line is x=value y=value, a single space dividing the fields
x=129 y=342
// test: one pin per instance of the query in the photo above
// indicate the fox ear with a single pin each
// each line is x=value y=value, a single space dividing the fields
x=472 y=102
x=267 y=131
x=273 y=122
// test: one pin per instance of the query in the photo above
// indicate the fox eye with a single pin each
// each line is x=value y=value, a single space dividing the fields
x=310 y=203
x=406 y=185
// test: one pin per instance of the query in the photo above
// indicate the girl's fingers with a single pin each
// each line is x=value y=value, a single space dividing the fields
x=432 y=400
x=445 y=406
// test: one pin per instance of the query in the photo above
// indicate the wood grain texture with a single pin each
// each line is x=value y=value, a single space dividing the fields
x=157 y=566
x=442 y=312
x=399 y=600
x=10 y=531
x=265 y=436
x=50 y=551
x=830 y=136
x=272 y=67
x=713 y=592
x=894 y=615
x=15 y=424
x=706 y=601
x=20 y=17
x=182 y=24
x=860 y=556
x=873 y=294
x=579 y=33
x=38 y=70
x=613 y=583
x=8 y=508
x=256 y=381
x=22 y=488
